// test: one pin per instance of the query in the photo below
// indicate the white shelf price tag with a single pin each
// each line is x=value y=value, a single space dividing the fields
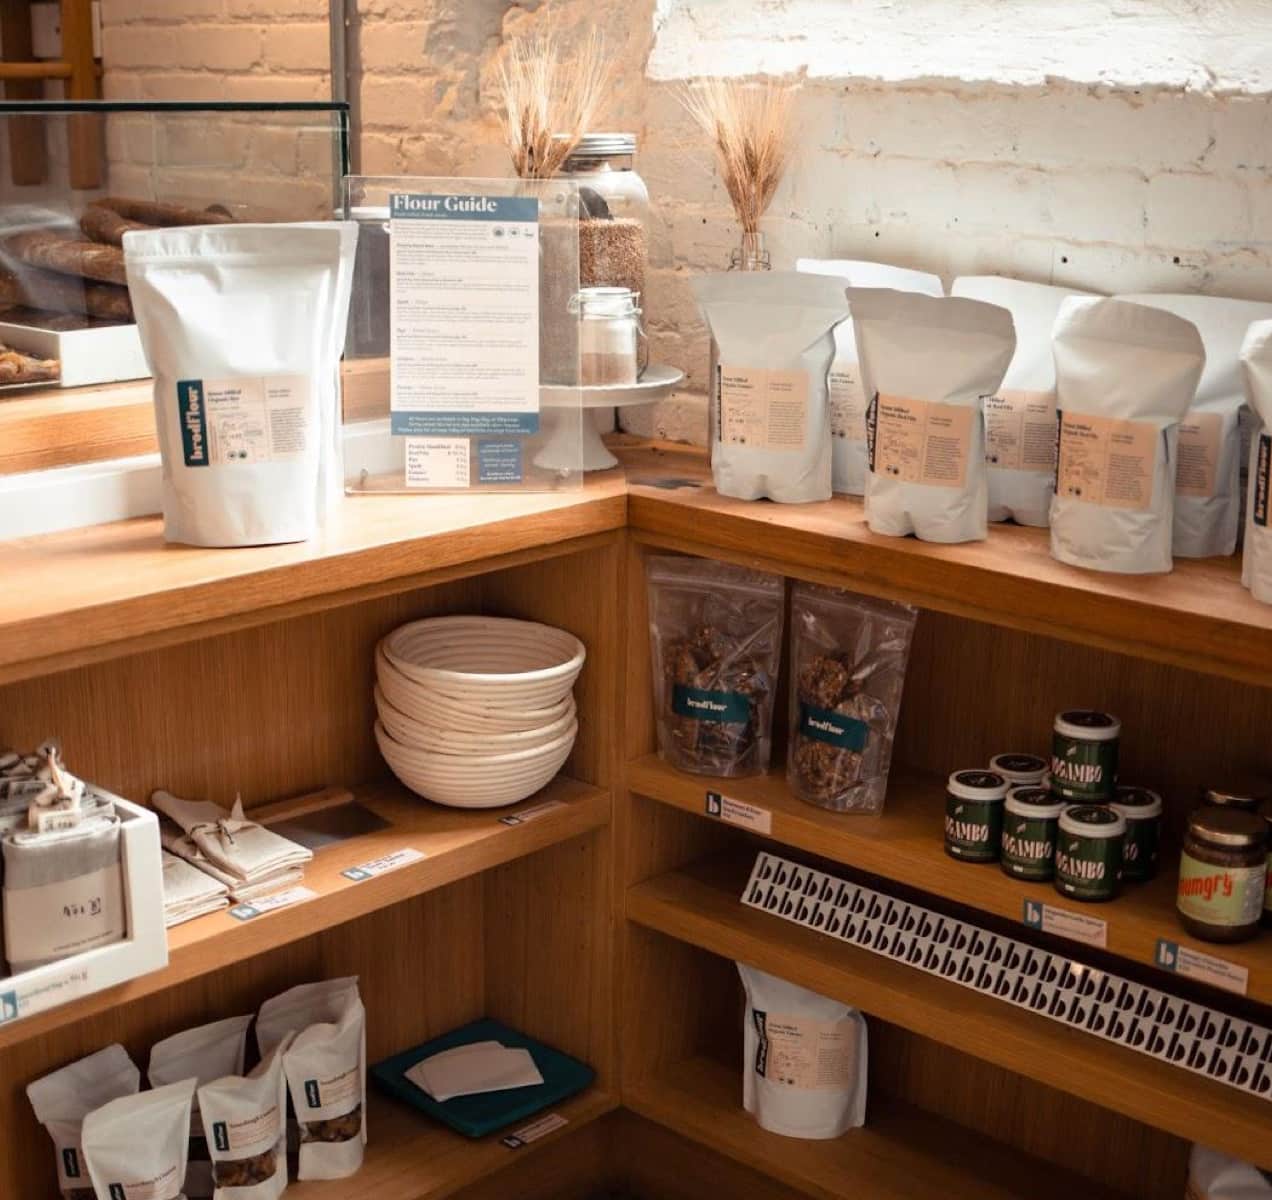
x=1204 y=968
x=382 y=866
x=533 y=813
x=1062 y=922
x=739 y=813
x=534 y=1131
x=267 y=904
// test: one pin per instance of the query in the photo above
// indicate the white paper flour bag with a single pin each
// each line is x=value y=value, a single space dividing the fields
x=848 y=458
x=1125 y=376
x=1256 y=562
x=804 y=1059
x=136 y=1146
x=1020 y=417
x=64 y=1098
x=772 y=345
x=326 y=1068
x=926 y=363
x=243 y=326
x=1208 y=454
x=1216 y=1176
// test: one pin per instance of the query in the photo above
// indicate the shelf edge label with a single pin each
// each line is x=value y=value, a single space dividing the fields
x=1062 y=922
x=533 y=813
x=266 y=904
x=739 y=813
x=534 y=1131
x=1205 y=968
x=382 y=866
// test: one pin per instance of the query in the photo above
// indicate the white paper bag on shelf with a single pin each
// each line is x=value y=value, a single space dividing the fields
x=1208 y=454
x=1125 y=376
x=848 y=456
x=1256 y=361
x=1216 y=1176
x=926 y=363
x=63 y=1099
x=772 y=347
x=1020 y=417
x=136 y=1146
x=804 y=1069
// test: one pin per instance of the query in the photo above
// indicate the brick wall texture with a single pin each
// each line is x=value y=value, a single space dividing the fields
x=1133 y=157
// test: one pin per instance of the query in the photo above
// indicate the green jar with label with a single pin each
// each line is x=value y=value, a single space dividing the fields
x=1089 y=852
x=974 y=815
x=1020 y=770
x=1031 y=818
x=1142 y=809
x=1084 y=746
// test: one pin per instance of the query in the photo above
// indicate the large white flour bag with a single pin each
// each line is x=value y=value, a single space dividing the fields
x=926 y=364
x=1208 y=456
x=1216 y=1176
x=1020 y=417
x=771 y=349
x=1256 y=563
x=243 y=326
x=804 y=1060
x=1125 y=376
x=848 y=458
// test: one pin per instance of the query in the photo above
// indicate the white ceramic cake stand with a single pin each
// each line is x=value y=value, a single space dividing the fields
x=560 y=451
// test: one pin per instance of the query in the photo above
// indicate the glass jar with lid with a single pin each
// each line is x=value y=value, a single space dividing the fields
x=614 y=216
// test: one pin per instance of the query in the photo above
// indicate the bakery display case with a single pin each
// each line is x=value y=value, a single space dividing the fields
x=76 y=176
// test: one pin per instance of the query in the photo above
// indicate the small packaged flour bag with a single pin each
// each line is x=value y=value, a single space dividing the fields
x=926 y=364
x=326 y=1071
x=771 y=349
x=848 y=458
x=244 y=1118
x=804 y=1059
x=204 y=1053
x=1256 y=362
x=136 y=1146
x=1020 y=417
x=1208 y=454
x=1216 y=1176
x=63 y=1099
x=1125 y=376
x=243 y=326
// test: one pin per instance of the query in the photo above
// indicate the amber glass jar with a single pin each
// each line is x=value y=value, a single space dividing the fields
x=1223 y=874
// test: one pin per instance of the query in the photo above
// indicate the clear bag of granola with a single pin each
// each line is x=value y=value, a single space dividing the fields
x=848 y=660
x=716 y=643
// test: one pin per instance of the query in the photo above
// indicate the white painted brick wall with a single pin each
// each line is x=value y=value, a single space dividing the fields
x=1107 y=144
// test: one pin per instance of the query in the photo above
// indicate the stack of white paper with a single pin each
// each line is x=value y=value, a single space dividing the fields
x=475 y=1068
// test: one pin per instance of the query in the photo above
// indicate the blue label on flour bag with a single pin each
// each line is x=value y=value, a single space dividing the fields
x=192 y=415
x=499 y=462
x=833 y=728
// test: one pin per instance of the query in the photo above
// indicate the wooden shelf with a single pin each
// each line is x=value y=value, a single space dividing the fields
x=456 y=843
x=1198 y=616
x=700 y=906
x=905 y=844
x=899 y=1154
x=96 y=593
x=410 y=1157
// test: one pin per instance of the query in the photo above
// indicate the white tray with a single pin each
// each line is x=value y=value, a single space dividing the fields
x=106 y=354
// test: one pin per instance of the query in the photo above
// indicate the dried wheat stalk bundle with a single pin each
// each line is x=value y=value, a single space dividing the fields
x=550 y=99
x=749 y=125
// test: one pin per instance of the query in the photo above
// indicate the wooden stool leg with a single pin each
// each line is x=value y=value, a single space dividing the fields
x=84 y=132
x=28 y=151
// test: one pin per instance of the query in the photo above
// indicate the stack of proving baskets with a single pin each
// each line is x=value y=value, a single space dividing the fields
x=476 y=712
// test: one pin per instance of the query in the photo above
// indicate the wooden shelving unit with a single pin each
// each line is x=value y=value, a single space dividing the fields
x=906 y=845
x=607 y=925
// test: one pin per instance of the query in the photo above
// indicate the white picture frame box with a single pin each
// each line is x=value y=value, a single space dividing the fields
x=105 y=354
x=145 y=949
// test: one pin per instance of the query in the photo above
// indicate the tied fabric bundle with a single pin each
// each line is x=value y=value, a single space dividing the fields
x=245 y=856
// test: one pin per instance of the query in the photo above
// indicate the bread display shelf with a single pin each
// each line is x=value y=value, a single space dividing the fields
x=410 y=1157
x=905 y=844
x=901 y=1153
x=700 y=906
x=455 y=844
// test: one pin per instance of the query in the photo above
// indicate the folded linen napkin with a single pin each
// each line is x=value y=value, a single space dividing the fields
x=232 y=843
x=189 y=892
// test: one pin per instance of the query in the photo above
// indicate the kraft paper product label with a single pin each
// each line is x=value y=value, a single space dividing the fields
x=1220 y=895
x=344 y=1089
x=847 y=403
x=1106 y=461
x=766 y=410
x=260 y=1131
x=803 y=1053
x=163 y=1187
x=918 y=442
x=1020 y=430
x=56 y=920
x=233 y=422
x=437 y=462
x=1198 y=450
x=701 y=704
